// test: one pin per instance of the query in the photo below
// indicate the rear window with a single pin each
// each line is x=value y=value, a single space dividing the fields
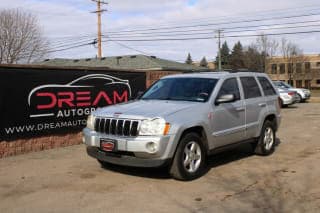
x=250 y=87
x=266 y=86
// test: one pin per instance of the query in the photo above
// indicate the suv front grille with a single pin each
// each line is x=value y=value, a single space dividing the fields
x=112 y=126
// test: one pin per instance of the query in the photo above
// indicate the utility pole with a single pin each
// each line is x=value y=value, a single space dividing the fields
x=99 y=11
x=219 y=48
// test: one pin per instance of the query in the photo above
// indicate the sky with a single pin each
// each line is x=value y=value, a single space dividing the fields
x=71 y=22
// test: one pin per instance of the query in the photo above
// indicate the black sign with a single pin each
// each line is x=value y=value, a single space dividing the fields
x=36 y=101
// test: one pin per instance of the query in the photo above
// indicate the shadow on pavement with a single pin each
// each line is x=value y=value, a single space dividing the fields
x=216 y=160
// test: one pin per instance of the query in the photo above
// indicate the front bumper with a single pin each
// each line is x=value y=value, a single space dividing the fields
x=137 y=147
x=125 y=160
x=306 y=96
x=288 y=100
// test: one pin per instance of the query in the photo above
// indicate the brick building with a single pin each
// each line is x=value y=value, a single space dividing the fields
x=299 y=71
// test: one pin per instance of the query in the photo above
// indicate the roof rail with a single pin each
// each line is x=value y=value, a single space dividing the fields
x=240 y=70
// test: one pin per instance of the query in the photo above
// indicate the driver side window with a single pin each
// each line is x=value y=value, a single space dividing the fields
x=230 y=86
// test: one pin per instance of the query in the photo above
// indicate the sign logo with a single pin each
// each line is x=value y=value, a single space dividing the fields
x=79 y=97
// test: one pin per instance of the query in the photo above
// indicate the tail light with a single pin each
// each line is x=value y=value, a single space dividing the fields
x=291 y=93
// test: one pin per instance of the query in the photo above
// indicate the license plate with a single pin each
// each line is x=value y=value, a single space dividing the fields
x=108 y=145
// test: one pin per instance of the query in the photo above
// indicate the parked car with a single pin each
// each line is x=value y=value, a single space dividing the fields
x=287 y=97
x=303 y=94
x=181 y=119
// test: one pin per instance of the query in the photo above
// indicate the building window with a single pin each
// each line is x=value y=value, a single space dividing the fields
x=290 y=82
x=298 y=67
x=318 y=64
x=282 y=68
x=290 y=68
x=298 y=83
x=307 y=66
x=274 y=69
x=318 y=81
x=307 y=84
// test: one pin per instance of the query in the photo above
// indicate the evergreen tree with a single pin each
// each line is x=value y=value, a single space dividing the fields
x=203 y=62
x=237 y=57
x=189 y=59
x=253 y=59
x=225 y=56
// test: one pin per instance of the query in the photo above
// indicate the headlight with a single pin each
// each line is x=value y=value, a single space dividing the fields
x=90 y=122
x=157 y=126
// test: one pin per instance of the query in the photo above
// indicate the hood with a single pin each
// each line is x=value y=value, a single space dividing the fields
x=145 y=109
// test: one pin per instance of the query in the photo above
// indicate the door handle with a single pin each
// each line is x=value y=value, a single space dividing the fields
x=262 y=104
x=240 y=109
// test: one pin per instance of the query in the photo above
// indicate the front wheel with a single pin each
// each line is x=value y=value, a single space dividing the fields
x=266 y=141
x=299 y=100
x=189 y=160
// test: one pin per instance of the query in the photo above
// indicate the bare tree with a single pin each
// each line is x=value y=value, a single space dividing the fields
x=267 y=48
x=21 y=39
x=294 y=58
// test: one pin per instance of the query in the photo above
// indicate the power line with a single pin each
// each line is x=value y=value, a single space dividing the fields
x=274 y=34
x=261 y=13
x=221 y=23
x=72 y=47
x=210 y=30
x=209 y=33
x=180 y=39
x=72 y=43
x=206 y=38
x=128 y=47
x=66 y=42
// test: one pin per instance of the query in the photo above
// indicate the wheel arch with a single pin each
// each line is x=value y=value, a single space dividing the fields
x=198 y=130
x=272 y=118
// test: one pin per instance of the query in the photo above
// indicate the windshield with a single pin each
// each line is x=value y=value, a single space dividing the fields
x=282 y=84
x=181 y=89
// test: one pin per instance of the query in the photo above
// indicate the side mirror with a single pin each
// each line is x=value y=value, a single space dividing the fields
x=225 y=99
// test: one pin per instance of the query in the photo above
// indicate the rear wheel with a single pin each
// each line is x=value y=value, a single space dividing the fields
x=266 y=141
x=189 y=160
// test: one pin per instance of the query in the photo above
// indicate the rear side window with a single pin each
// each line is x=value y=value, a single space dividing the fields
x=250 y=87
x=230 y=86
x=266 y=86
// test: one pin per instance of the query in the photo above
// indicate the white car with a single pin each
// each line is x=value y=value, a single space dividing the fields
x=287 y=97
x=303 y=94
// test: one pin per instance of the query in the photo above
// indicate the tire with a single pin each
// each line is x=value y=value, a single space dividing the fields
x=300 y=99
x=189 y=161
x=266 y=142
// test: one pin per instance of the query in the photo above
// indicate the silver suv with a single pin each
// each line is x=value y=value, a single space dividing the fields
x=182 y=119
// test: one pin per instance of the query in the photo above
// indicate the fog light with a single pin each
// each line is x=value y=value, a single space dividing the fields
x=152 y=147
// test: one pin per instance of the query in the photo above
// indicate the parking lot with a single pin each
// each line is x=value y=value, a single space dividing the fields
x=67 y=180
